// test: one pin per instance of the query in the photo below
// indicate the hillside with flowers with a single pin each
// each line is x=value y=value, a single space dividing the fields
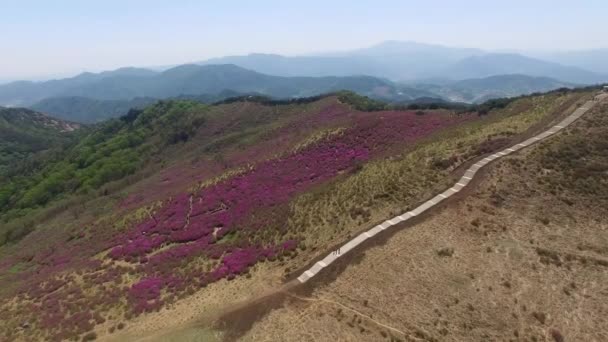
x=184 y=201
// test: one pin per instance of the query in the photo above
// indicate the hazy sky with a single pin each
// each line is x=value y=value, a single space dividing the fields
x=48 y=38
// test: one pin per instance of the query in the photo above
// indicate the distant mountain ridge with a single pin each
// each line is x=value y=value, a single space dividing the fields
x=393 y=71
x=392 y=59
x=410 y=61
x=87 y=110
x=501 y=64
x=593 y=60
x=478 y=90
x=22 y=93
x=190 y=79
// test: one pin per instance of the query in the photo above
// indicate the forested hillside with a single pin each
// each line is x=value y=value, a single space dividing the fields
x=24 y=132
x=87 y=110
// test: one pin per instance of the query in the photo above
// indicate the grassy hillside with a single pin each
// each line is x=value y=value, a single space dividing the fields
x=522 y=257
x=183 y=200
x=24 y=132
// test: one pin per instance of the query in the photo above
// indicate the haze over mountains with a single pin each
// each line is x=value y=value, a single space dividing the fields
x=181 y=80
x=391 y=71
x=407 y=61
x=593 y=60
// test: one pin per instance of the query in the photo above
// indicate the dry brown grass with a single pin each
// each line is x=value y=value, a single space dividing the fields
x=386 y=187
x=525 y=265
x=407 y=179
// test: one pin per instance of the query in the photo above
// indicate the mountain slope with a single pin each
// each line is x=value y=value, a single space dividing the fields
x=310 y=66
x=392 y=59
x=482 y=89
x=192 y=80
x=22 y=93
x=189 y=205
x=367 y=71
x=407 y=61
x=512 y=258
x=593 y=60
x=24 y=132
x=87 y=110
x=501 y=64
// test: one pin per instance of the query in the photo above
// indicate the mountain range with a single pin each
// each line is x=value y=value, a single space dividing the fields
x=393 y=71
x=124 y=84
x=593 y=60
x=140 y=218
x=478 y=90
x=408 y=61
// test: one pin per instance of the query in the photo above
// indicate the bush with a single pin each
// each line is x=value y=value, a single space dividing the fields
x=445 y=252
x=89 y=337
x=362 y=103
x=540 y=317
x=557 y=335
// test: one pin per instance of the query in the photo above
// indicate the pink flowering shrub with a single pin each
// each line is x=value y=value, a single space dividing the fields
x=232 y=225
x=190 y=225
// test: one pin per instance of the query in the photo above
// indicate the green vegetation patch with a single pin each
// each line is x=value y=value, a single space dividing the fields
x=113 y=150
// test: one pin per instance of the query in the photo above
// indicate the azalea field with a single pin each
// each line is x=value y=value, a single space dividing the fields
x=163 y=247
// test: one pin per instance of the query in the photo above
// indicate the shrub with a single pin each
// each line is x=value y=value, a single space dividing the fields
x=557 y=335
x=445 y=252
x=540 y=317
x=89 y=337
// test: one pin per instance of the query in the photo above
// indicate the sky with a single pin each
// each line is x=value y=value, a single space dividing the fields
x=42 y=39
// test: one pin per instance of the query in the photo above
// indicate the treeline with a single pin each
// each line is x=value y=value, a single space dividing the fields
x=359 y=102
x=367 y=104
x=268 y=101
